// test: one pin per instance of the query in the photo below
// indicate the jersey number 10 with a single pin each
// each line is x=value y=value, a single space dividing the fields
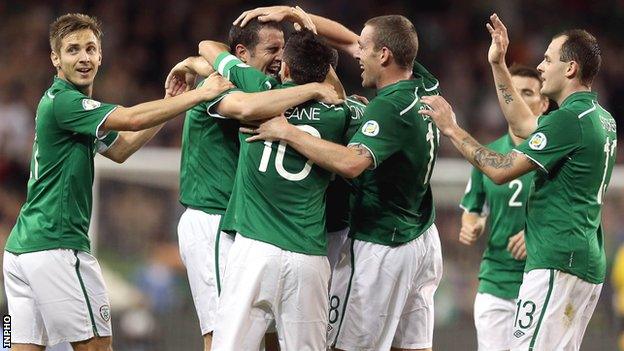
x=279 y=158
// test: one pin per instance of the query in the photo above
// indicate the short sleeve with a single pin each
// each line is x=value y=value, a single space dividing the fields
x=212 y=105
x=102 y=145
x=78 y=113
x=247 y=78
x=474 y=197
x=382 y=131
x=556 y=136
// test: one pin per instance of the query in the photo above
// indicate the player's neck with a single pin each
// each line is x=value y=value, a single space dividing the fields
x=87 y=90
x=392 y=74
x=569 y=90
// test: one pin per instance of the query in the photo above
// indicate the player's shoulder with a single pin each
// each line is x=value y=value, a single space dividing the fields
x=385 y=104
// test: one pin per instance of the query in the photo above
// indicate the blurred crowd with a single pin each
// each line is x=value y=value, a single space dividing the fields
x=143 y=39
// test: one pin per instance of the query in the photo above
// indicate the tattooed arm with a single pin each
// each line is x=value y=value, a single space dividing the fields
x=517 y=113
x=498 y=167
x=348 y=162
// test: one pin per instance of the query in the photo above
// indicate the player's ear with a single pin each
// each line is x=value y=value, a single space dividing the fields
x=241 y=52
x=56 y=60
x=572 y=70
x=384 y=56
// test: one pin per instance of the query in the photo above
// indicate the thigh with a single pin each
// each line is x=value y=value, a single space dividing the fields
x=301 y=312
x=199 y=239
x=377 y=288
x=415 y=329
x=70 y=292
x=494 y=319
x=26 y=321
x=248 y=295
x=335 y=245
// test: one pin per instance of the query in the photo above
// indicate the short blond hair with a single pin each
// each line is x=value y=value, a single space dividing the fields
x=69 y=23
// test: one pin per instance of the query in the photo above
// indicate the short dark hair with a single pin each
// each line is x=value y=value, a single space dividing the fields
x=525 y=71
x=307 y=56
x=398 y=34
x=248 y=35
x=69 y=23
x=335 y=58
x=582 y=47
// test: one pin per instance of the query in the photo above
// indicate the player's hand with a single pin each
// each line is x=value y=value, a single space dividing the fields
x=470 y=232
x=440 y=112
x=264 y=14
x=500 y=40
x=214 y=85
x=361 y=99
x=517 y=247
x=275 y=128
x=326 y=93
x=182 y=72
x=303 y=20
x=175 y=88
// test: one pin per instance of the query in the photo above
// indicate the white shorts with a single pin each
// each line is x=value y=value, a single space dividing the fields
x=203 y=248
x=382 y=296
x=55 y=296
x=263 y=283
x=494 y=318
x=553 y=311
x=335 y=242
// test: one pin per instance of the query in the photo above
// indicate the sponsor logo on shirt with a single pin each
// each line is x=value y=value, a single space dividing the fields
x=89 y=104
x=538 y=141
x=518 y=333
x=370 y=128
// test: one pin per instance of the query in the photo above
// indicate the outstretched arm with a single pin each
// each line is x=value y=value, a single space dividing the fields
x=516 y=111
x=498 y=167
x=348 y=162
x=337 y=35
x=270 y=103
x=153 y=113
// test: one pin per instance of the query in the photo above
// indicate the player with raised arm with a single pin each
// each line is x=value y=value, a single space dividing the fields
x=277 y=268
x=382 y=289
x=210 y=149
x=55 y=289
x=573 y=148
x=504 y=207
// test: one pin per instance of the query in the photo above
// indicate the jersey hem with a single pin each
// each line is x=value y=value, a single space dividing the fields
x=15 y=251
x=253 y=237
x=582 y=277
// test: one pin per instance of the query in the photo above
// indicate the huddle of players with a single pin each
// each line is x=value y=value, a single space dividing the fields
x=254 y=233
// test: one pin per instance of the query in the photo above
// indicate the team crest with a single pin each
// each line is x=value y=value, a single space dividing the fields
x=105 y=312
x=370 y=128
x=538 y=141
x=89 y=104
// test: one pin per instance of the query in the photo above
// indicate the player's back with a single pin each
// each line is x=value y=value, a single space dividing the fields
x=283 y=194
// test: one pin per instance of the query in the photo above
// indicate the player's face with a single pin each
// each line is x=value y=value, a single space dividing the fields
x=79 y=58
x=267 y=55
x=368 y=58
x=529 y=89
x=552 y=69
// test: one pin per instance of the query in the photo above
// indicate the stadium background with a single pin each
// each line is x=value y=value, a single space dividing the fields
x=137 y=214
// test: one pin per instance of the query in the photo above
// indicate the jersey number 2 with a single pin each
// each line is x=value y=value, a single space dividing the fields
x=513 y=200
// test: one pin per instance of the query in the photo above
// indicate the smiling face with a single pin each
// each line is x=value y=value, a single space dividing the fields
x=552 y=70
x=78 y=58
x=368 y=57
x=267 y=55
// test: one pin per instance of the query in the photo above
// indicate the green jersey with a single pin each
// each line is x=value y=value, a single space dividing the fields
x=339 y=189
x=337 y=209
x=279 y=195
x=574 y=148
x=210 y=149
x=392 y=203
x=500 y=274
x=57 y=211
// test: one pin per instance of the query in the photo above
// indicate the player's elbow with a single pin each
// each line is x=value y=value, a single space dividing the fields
x=500 y=178
x=352 y=169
